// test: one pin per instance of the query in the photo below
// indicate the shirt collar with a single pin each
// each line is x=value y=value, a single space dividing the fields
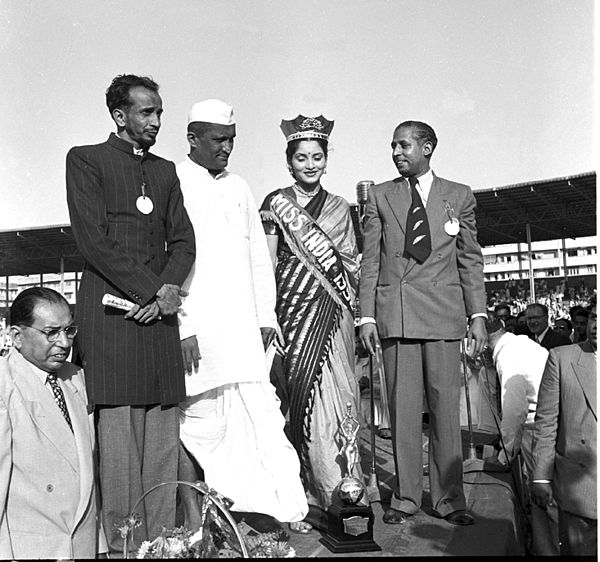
x=202 y=169
x=425 y=182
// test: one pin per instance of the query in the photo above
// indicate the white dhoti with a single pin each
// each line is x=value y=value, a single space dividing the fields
x=235 y=432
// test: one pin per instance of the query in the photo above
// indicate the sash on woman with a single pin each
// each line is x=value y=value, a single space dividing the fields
x=313 y=291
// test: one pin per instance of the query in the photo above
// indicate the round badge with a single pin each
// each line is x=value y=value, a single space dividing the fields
x=452 y=227
x=144 y=205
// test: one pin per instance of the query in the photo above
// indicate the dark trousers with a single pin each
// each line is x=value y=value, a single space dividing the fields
x=411 y=368
x=138 y=448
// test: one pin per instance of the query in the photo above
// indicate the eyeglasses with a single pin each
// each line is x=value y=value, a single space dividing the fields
x=53 y=334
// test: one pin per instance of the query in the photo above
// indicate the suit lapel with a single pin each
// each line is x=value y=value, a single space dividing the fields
x=437 y=213
x=399 y=200
x=584 y=365
x=43 y=410
x=79 y=419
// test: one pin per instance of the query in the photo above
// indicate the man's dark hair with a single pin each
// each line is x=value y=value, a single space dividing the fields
x=117 y=94
x=21 y=310
x=421 y=131
x=582 y=312
x=502 y=306
x=574 y=310
x=566 y=321
x=539 y=305
x=493 y=323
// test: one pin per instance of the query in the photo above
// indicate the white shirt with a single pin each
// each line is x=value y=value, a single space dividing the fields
x=231 y=285
x=423 y=185
x=520 y=364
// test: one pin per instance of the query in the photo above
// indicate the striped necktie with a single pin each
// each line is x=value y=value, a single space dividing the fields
x=418 y=236
x=59 y=397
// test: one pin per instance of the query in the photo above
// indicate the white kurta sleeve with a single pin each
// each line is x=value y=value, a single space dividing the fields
x=515 y=405
x=187 y=328
x=261 y=265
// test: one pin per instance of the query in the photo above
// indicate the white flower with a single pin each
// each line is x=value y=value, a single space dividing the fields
x=143 y=550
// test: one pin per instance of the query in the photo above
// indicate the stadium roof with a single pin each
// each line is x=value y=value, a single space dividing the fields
x=555 y=208
x=29 y=251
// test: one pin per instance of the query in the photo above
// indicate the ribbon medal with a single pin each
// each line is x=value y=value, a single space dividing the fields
x=452 y=226
x=144 y=204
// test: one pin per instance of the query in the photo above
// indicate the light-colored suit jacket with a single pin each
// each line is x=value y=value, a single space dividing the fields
x=565 y=428
x=47 y=487
x=430 y=300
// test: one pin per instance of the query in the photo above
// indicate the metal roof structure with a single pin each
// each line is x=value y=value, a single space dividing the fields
x=554 y=208
x=29 y=251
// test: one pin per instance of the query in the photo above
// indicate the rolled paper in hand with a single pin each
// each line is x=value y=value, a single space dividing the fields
x=117 y=302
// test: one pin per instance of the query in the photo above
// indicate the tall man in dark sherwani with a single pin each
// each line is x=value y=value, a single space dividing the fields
x=131 y=227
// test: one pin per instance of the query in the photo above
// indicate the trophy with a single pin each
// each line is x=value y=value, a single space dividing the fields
x=350 y=517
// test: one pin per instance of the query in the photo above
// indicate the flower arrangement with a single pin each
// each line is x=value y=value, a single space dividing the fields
x=217 y=537
x=183 y=543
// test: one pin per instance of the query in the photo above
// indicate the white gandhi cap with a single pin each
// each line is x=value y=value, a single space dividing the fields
x=212 y=111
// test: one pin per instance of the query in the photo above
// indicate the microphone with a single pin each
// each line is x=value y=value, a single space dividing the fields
x=362 y=193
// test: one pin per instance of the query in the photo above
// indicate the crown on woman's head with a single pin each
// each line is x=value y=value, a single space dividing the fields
x=306 y=128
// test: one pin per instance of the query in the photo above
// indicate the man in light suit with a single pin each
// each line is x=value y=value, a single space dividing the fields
x=565 y=444
x=47 y=491
x=421 y=279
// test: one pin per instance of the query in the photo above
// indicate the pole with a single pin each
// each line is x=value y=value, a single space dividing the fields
x=565 y=272
x=62 y=275
x=463 y=354
x=530 y=256
x=373 y=485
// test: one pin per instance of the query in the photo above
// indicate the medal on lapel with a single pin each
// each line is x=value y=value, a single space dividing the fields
x=143 y=203
x=452 y=226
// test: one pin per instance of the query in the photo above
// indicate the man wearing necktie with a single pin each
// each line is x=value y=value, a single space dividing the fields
x=47 y=488
x=421 y=292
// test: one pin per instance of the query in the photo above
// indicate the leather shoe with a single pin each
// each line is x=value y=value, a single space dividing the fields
x=395 y=516
x=460 y=517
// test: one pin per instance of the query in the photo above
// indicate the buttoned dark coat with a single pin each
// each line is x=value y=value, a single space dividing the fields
x=130 y=255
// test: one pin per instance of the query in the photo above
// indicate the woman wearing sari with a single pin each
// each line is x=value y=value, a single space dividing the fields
x=312 y=243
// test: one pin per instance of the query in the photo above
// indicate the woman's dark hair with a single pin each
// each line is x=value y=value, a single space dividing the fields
x=21 y=310
x=117 y=94
x=293 y=146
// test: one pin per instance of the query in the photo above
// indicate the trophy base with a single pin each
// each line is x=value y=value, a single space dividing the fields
x=350 y=529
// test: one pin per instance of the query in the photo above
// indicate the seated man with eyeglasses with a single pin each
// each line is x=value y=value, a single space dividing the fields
x=47 y=487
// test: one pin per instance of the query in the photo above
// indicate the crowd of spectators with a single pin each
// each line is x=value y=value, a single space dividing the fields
x=559 y=298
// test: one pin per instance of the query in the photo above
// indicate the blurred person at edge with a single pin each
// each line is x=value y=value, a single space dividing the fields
x=580 y=322
x=564 y=326
x=565 y=443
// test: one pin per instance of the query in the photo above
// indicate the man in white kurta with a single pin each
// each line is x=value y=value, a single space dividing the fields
x=231 y=422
